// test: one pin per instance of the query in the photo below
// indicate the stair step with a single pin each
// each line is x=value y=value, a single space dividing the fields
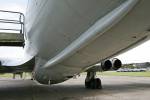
x=11 y=39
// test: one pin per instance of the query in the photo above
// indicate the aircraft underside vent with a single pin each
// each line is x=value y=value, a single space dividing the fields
x=11 y=28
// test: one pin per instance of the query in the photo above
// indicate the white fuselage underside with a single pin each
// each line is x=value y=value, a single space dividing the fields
x=58 y=33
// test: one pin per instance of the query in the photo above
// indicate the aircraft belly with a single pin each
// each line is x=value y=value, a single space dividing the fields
x=57 y=28
x=57 y=24
x=132 y=30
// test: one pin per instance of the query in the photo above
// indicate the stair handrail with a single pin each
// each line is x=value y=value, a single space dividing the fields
x=20 y=21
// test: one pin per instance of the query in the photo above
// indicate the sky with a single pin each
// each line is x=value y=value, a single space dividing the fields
x=18 y=6
x=14 y=5
x=136 y=55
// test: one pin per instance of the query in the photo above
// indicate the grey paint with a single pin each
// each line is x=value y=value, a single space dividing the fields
x=68 y=36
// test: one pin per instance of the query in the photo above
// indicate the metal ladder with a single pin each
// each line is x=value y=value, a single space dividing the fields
x=11 y=29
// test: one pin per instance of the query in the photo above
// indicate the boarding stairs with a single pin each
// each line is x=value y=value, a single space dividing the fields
x=11 y=29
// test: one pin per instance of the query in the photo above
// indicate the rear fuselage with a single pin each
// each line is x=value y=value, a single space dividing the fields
x=53 y=27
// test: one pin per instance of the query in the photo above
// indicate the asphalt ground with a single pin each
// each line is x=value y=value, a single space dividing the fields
x=114 y=88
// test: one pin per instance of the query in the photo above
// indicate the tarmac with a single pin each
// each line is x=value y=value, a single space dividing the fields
x=114 y=88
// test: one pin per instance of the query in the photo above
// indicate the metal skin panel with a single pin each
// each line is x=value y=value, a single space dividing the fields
x=68 y=36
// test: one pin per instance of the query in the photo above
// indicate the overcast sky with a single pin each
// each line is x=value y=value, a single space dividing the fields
x=138 y=54
x=12 y=5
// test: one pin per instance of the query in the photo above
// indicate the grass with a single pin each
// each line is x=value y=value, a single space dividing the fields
x=9 y=75
x=113 y=73
x=108 y=73
x=6 y=75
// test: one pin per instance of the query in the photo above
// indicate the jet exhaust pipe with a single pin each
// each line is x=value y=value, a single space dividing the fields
x=106 y=65
x=116 y=64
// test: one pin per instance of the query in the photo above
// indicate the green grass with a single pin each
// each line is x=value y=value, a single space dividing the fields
x=6 y=75
x=111 y=73
x=108 y=73
x=9 y=75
